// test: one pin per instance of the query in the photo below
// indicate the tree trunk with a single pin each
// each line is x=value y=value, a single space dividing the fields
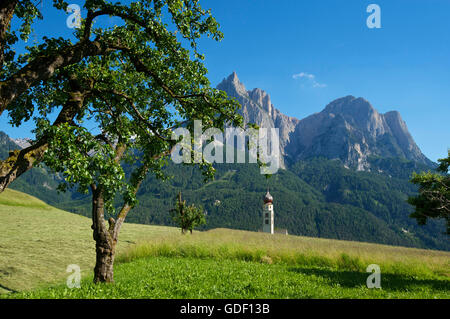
x=104 y=266
x=105 y=241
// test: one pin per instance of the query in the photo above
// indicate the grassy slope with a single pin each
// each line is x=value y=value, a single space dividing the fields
x=38 y=242
x=220 y=263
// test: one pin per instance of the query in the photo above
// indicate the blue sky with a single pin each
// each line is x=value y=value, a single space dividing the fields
x=403 y=66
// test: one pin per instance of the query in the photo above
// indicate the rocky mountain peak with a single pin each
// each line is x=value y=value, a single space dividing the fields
x=233 y=77
x=349 y=128
x=350 y=104
x=22 y=142
x=7 y=144
x=359 y=113
x=256 y=107
x=394 y=116
x=233 y=86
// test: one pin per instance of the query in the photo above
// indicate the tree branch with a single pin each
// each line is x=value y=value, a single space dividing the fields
x=20 y=161
x=43 y=68
x=142 y=173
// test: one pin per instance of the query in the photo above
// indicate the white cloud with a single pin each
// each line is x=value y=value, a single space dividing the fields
x=319 y=85
x=308 y=78
x=303 y=75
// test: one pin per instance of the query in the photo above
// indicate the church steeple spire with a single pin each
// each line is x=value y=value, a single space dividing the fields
x=268 y=198
x=268 y=215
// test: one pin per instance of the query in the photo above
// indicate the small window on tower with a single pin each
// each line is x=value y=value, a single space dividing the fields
x=267 y=222
x=267 y=215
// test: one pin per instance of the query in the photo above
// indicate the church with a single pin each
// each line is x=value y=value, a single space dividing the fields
x=268 y=217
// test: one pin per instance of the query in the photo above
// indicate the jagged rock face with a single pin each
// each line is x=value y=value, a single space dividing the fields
x=252 y=108
x=257 y=108
x=12 y=143
x=22 y=142
x=351 y=130
x=348 y=129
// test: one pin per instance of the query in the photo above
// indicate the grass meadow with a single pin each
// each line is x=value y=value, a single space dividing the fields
x=37 y=242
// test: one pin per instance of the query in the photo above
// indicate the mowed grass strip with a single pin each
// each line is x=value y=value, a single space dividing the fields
x=187 y=277
x=38 y=242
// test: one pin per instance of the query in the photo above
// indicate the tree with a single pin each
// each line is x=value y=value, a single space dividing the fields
x=187 y=217
x=433 y=200
x=120 y=103
x=22 y=75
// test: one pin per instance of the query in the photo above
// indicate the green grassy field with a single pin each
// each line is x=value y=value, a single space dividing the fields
x=187 y=277
x=37 y=242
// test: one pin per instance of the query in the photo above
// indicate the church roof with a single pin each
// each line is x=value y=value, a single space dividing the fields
x=268 y=198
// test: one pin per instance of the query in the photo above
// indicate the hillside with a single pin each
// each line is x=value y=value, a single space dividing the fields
x=316 y=197
x=38 y=242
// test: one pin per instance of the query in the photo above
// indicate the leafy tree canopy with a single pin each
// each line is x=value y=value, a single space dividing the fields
x=136 y=79
x=120 y=92
x=433 y=200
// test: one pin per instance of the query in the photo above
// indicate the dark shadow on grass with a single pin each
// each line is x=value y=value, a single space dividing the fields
x=395 y=282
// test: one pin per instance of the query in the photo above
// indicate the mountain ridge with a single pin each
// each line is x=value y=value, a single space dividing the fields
x=349 y=129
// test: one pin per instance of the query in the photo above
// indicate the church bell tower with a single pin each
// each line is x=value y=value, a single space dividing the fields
x=268 y=225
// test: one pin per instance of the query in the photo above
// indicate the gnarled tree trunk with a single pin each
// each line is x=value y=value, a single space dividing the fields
x=104 y=266
x=105 y=240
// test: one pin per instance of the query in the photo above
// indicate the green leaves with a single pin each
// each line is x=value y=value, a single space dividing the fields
x=118 y=106
x=83 y=160
x=27 y=11
x=433 y=200
x=187 y=217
